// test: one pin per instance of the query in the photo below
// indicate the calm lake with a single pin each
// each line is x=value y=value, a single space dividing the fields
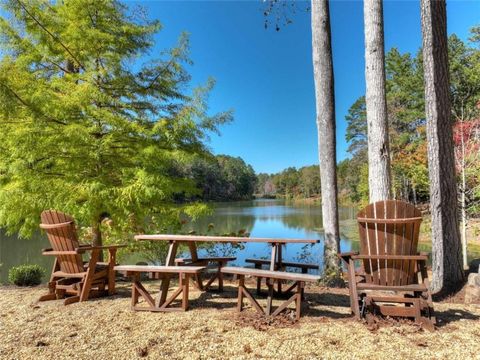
x=260 y=218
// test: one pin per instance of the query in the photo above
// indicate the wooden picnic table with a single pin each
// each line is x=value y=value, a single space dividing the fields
x=192 y=240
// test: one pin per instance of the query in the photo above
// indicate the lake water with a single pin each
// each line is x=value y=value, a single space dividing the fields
x=274 y=218
x=260 y=218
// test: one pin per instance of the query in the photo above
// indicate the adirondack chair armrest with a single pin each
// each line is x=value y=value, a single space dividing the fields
x=347 y=255
x=390 y=257
x=103 y=247
x=56 y=253
x=56 y=226
x=112 y=249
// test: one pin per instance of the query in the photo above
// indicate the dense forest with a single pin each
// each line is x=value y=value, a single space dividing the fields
x=290 y=183
x=406 y=116
x=221 y=178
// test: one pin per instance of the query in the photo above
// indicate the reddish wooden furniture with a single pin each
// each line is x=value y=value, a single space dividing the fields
x=270 y=276
x=70 y=274
x=389 y=233
x=184 y=273
x=217 y=262
x=280 y=265
x=191 y=240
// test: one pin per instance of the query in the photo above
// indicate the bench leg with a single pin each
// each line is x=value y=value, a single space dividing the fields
x=134 y=300
x=141 y=291
x=300 y=296
x=241 y=284
x=138 y=290
x=220 y=275
x=268 y=311
x=297 y=297
x=185 y=284
x=243 y=291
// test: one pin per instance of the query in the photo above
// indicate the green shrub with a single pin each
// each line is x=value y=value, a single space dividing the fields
x=26 y=275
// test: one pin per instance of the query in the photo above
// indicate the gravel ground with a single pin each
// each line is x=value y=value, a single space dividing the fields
x=106 y=328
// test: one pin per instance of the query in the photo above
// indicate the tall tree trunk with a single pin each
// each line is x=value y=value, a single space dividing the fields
x=448 y=274
x=463 y=203
x=379 y=181
x=97 y=236
x=325 y=102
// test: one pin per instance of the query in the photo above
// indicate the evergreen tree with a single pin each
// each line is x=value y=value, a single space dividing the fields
x=87 y=127
x=447 y=264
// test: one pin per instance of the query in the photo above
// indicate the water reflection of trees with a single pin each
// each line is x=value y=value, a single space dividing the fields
x=229 y=223
x=224 y=224
x=308 y=219
x=308 y=254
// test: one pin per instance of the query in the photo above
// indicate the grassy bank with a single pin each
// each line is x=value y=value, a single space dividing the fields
x=107 y=329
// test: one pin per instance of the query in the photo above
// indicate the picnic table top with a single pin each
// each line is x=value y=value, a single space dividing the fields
x=230 y=239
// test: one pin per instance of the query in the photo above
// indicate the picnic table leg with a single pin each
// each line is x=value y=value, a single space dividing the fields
x=134 y=301
x=298 y=305
x=184 y=283
x=268 y=311
x=274 y=256
x=259 y=279
x=241 y=284
x=192 y=246
x=279 y=267
x=172 y=253
x=193 y=251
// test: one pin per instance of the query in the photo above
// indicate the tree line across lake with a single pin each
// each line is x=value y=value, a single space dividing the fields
x=407 y=133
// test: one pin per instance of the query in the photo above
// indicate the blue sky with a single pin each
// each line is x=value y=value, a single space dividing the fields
x=266 y=76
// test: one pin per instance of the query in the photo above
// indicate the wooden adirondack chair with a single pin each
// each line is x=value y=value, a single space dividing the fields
x=393 y=278
x=70 y=274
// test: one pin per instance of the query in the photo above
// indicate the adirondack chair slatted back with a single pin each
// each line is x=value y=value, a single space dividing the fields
x=389 y=227
x=63 y=238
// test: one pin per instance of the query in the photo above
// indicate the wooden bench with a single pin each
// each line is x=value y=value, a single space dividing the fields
x=184 y=273
x=258 y=263
x=219 y=261
x=304 y=267
x=299 y=281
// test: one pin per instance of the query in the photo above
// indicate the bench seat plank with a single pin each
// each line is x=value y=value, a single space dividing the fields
x=411 y=287
x=280 y=275
x=284 y=263
x=161 y=269
x=206 y=259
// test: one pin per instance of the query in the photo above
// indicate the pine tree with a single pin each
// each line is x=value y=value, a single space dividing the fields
x=87 y=126
x=447 y=264
x=325 y=103
x=376 y=101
